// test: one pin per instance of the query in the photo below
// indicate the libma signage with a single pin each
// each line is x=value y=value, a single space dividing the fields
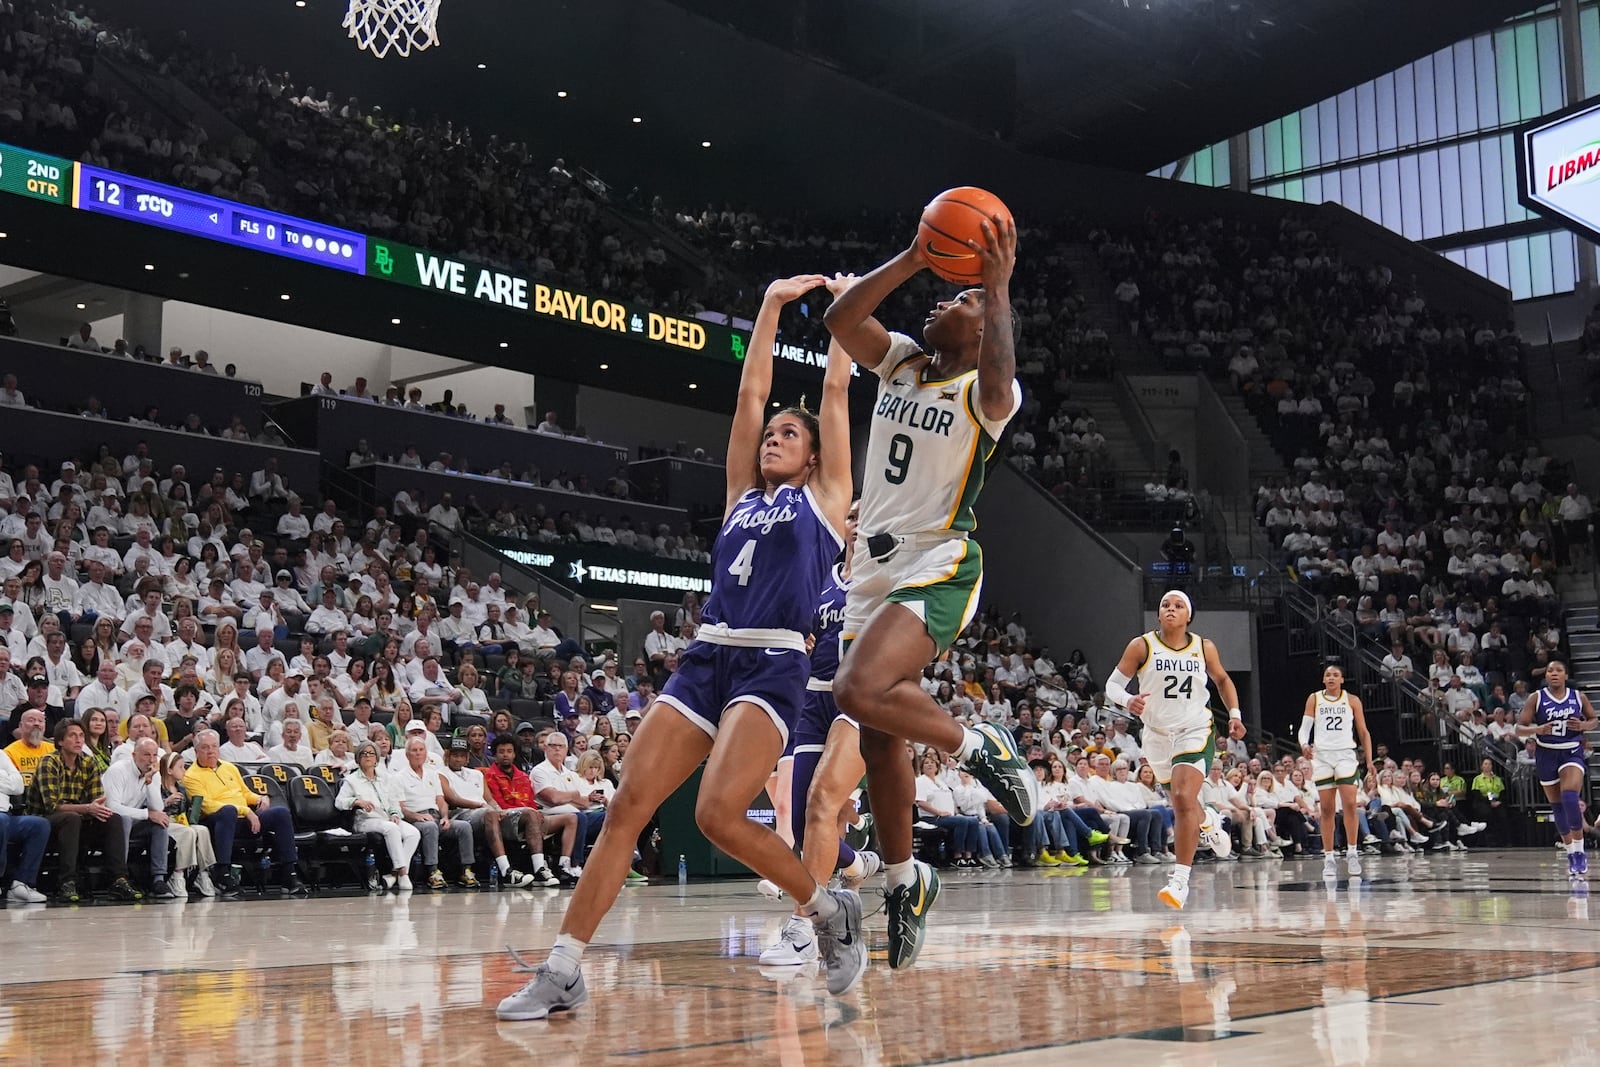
x=602 y=572
x=1558 y=167
x=82 y=187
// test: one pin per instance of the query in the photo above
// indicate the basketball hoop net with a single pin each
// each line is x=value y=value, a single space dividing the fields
x=379 y=26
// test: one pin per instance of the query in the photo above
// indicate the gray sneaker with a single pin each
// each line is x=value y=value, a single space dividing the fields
x=841 y=944
x=544 y=994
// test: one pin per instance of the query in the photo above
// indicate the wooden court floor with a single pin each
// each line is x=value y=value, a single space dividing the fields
x=1444 y=959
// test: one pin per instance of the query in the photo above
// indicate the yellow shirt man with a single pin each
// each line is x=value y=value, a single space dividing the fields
x=27 y=758
x=219 y=787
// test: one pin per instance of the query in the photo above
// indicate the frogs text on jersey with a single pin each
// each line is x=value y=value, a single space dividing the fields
x=915 y=414
x=830 y=616
x=763 y=518
x=1165 y=665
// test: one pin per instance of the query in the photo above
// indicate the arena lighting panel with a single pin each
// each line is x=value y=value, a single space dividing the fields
x=1558 y=167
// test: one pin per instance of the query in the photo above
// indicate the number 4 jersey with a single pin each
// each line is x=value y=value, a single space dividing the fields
x=929 y=446
x=1173 y=681
x=768 y=567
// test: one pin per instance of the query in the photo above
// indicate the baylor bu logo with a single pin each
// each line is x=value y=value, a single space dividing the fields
x=311 y=787
x=280 y=774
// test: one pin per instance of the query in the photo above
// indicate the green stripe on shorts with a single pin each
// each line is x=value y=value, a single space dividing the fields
x=949 y=603
x=1204 y=756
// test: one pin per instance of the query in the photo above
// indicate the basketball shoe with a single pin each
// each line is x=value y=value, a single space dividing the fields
x=908 y=907
x=841 y=945
x=1004 y=770
x=545 y=993
x=797 y=945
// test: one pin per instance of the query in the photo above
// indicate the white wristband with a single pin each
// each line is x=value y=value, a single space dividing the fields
x=1235 y=713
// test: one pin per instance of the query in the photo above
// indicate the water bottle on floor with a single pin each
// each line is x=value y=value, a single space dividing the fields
x=494 y=878
x=683 y=870
x=372 y=872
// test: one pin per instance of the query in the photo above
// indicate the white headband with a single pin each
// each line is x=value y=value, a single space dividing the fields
x=1181 y=595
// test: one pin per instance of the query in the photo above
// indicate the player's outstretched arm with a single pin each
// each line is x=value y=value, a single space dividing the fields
x=849 y=317
x=832 y=481
x=997 y=352
x=755 y=385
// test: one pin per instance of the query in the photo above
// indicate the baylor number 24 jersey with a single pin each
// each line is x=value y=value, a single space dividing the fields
x=929 y=446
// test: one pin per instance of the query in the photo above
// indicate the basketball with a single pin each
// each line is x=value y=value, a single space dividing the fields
x=950 y=221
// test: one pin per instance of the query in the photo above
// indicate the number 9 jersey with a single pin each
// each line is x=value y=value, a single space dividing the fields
x=1173 y=683
x=928 y=448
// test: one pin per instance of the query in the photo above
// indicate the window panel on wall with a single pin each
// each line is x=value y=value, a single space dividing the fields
x=1486 y=70
x=1348 y=139
x=1563 y=262
x=1552 y=72
x=1371 y=193
x=1427 y=103
x=1471 y=184
x=1222 y=164
x=1405 y=105
x=1311 y=140
x=1504 y=87
x=1519 y=268
x=1410 y=198
x=1477 y=262
x=1273 y=135
x=1491 y=178
x=1383 y=89
x=1450 y=198
x=1464 y=79
x=1313 y=189
x=1328 y=129
x=1389 y=194
x=1589 y=38
x=1541 y=264
x=1366 y=119
x=1292 y=155
x=1432 y=196
x=1444 y=91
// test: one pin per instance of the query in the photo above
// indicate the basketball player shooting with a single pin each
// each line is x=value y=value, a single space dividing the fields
x=917 y=575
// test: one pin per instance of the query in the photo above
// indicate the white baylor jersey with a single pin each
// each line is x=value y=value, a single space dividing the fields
x=1333 y=729
x=1173 y=682
x=928 y=448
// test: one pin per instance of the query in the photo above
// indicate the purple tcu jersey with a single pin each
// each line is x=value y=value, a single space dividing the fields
x=1550 y=709
x=770 y=562
x=826 y=626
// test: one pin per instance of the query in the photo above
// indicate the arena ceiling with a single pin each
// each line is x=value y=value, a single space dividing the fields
x=1129 y=84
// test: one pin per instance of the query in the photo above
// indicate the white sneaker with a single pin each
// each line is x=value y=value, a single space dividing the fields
x=871 y=865
x=1419 y=839
x=179 y=886
x=404 y=884
x=796 y=945
x=1330 y=866
x=1370 y=839
x=203 y=883
x=1352 y=864
x=25 y=894
x=769 y=890
x=389 y=882
x=1214 y=837
x=546 y=993
x=1468 y=829
x=1175 y=894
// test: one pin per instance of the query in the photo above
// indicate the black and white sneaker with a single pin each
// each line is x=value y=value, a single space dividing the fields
x=1004 y=770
